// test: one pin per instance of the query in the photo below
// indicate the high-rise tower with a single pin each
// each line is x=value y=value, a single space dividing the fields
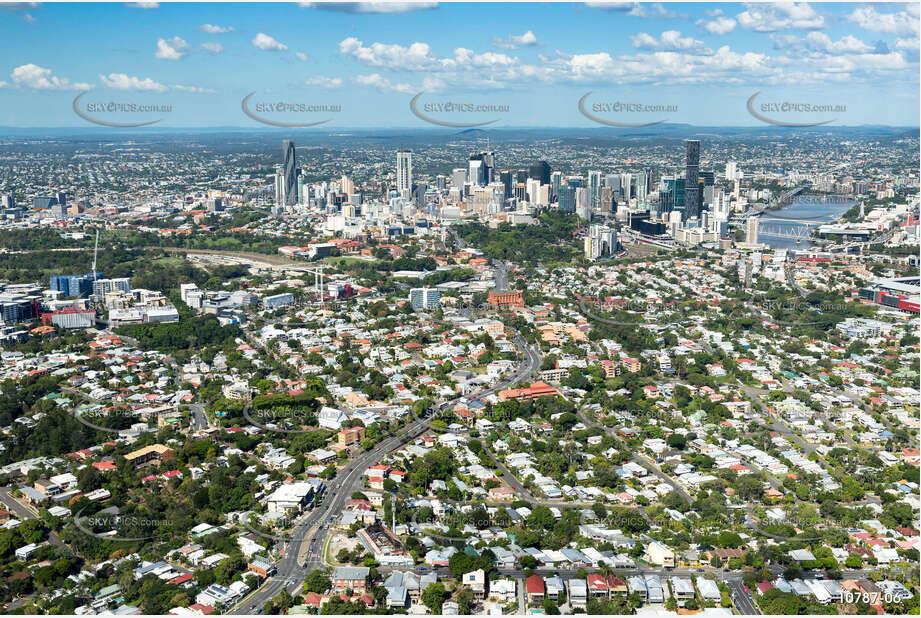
x=289 y=173
x=691 y=183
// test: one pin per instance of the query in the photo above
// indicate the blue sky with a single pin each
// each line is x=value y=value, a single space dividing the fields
x=703 y=59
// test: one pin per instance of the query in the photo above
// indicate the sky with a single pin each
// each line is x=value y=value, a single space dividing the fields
x=511 y=64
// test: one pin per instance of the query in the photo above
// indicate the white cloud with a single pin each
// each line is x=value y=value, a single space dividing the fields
x=40 y=78
x=909 y=44
x=382 y=83
x=214 y=48
x=821 y=43
x=143 y=5
x=212 y=29
x=670 y=40
x=193 y=89
x=267 y=43
x=321 y=81
x=171 y=49
x=301 y=56
x=528 y=39
x=901 y=23
x=371 y=7
x=780 y=16
x=720 y=25
x=121 y=81
x=634 y=9
x=415 y=57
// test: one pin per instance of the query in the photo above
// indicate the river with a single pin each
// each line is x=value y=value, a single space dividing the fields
x=807 y=207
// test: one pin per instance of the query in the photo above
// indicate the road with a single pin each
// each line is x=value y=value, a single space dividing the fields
x=313 y=528
x=22 y=512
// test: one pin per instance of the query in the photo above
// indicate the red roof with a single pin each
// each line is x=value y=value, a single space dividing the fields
x=596 y=582
x=535 y=585
x=181 y=579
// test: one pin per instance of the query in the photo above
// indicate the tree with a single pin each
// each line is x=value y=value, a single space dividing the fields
x=433 y=596
x=317 y=581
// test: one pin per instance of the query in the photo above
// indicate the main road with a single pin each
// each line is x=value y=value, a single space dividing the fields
x=308 y=536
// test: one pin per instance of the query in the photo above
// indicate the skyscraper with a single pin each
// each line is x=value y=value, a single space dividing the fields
x=405 y=172
x=691 y=186
x=594 y=187
x=487 y=167
x=289 y=170
x=751 y=231
x=540 y=170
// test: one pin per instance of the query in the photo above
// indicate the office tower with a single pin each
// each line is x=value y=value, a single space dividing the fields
x=346 y=185
x=487 y=166
x=506 y=178
x=540 y=170
x=556 y=180
x=600 y=241
x=626 y=187
x=606 y=203
x=583 y=203
x=691 y=184
x=594 y=187
x=730 y=170
x=289 y=169
x=74 y=285
x=279 y=181
x=532 y=189
x=520 y=192
x=751 y=231
x=567 y=198
x=707 y=178
x=101 y=287
x=641 y=187
x=475 y=172
x=425 y=298
x=405 y=172
x=214 y=204
x=7 y=201
x=62 y=199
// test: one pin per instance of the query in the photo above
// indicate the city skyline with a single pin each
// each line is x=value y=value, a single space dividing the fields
x=364 y=64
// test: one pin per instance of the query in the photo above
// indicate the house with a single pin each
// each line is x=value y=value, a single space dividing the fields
x=350 y=578
x=535 y=589
x=578 y=593
x=659 y=555
x=26 y=552
x=476 y=581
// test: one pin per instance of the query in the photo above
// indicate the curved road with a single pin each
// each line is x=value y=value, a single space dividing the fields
x=313 y=528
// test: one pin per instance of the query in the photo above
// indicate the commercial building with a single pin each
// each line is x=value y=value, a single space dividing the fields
x=404 y=173
x=101 y=287
x=152 y=455
x=600 y=241
x=289 y=173
x=74 y=285
x=691 y=181
x=425 y=298
x=505 y=300
x=70 y=317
